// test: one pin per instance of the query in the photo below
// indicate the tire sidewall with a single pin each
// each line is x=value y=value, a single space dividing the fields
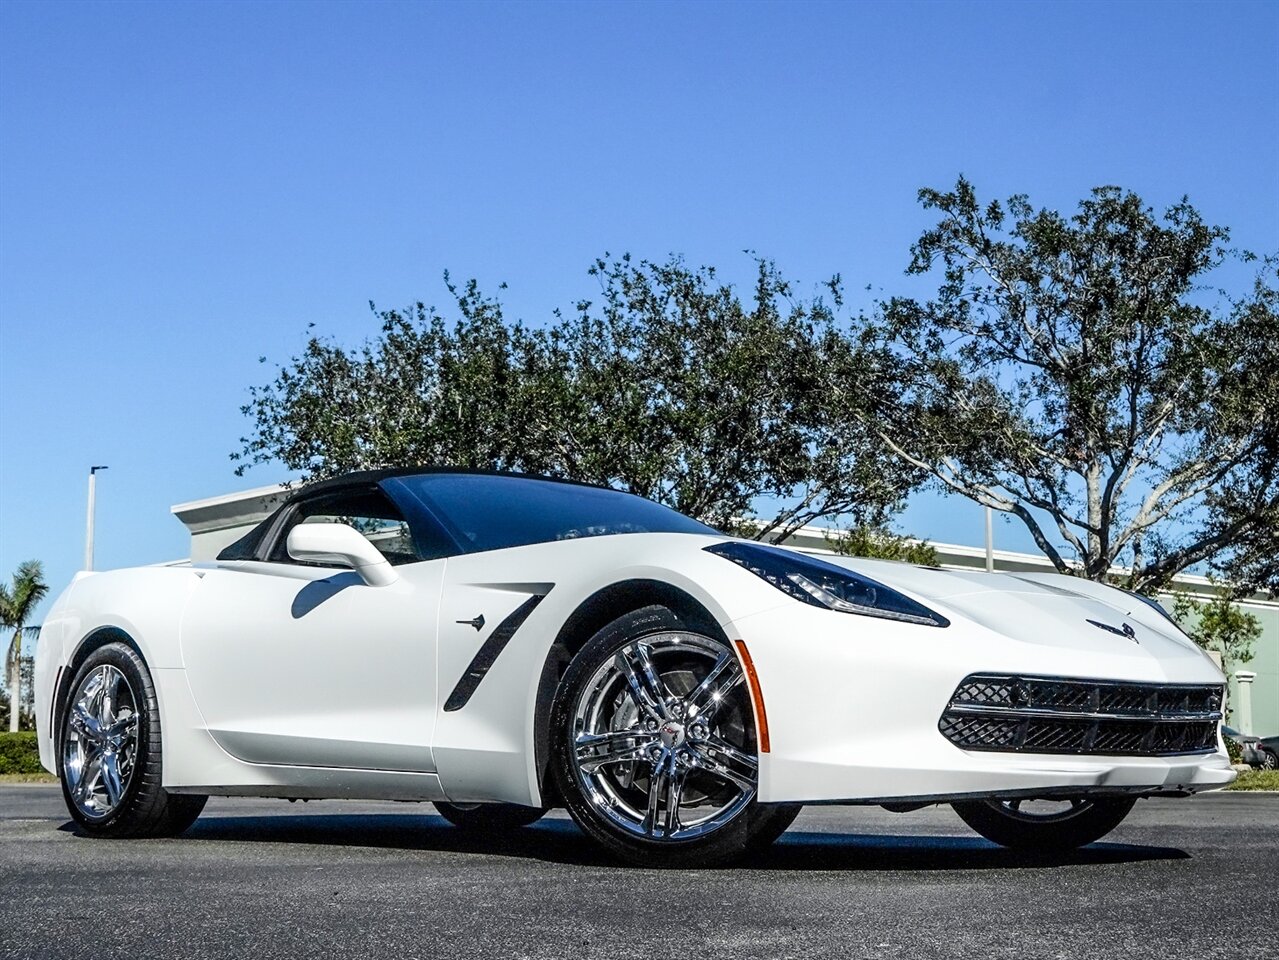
x=487 y=817
x=1051 y=836
x=146 y=763
x=729 y=841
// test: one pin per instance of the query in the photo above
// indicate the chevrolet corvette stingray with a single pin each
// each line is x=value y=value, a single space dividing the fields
x=499 y=644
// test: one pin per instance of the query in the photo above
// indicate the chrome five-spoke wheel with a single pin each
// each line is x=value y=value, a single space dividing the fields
x=653 y=743
x=100 y=746
x=662 y=743
x=109 y=750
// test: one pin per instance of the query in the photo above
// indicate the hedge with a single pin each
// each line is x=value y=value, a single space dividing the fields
x=19 y=753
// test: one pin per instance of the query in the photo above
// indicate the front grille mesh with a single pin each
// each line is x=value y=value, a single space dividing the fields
x=1066 y=716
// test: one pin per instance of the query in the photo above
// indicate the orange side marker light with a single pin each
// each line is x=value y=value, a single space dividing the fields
x=757 y=695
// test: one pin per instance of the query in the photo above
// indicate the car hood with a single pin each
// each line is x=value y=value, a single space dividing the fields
x=1038 y=609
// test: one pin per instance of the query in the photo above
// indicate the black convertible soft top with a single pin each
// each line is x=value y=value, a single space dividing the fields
x=372 y=477
x=451 y=510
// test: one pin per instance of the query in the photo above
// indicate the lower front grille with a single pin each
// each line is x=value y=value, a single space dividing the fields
x=1069 y=716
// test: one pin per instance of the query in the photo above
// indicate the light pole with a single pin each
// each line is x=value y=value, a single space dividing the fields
x=88 y=529
x=990 y=540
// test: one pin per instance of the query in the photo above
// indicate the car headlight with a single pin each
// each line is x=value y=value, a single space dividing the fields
x=821 y=584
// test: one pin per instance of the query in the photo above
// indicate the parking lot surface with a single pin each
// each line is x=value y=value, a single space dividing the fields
x=265 y=878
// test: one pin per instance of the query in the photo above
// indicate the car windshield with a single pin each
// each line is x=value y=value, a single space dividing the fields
x=492 y=511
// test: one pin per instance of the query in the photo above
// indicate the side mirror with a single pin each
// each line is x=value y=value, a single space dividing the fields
x=337 y=543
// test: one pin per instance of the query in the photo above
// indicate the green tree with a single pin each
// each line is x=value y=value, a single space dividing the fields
x=677 y=389
x=880 y=543
x=1219 y=625
x=18 y=602
x=422 y=391
x=1246 y=512
x=1074 y=373
x=668 y=384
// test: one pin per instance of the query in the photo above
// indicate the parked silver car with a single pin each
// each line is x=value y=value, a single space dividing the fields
x=1254 y=751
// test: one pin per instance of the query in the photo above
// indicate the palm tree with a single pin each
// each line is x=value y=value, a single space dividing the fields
x=17 y=603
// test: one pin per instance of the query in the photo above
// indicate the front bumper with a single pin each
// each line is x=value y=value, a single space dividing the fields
x=853 y=705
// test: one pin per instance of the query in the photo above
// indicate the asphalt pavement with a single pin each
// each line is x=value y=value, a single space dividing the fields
x=265 y=878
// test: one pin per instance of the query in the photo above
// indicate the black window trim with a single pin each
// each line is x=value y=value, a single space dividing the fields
x=282 y=519
x=267 y=544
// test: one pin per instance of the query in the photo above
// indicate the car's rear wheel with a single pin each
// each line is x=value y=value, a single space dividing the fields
x=772 y=821
x=487 y=817
x=653 y=743
x=109 y=758
x=1044 y=826
x=1269 y=760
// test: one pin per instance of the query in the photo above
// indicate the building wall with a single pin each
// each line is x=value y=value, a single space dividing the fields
x=219 y=521
x=1265 y=664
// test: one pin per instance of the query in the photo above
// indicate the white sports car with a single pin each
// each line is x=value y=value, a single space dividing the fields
x=499 y=644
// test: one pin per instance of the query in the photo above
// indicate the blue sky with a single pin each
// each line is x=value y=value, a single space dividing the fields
x=184 y=187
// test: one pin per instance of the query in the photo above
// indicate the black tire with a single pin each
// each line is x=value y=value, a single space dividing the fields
x=489 y=817
x=1089 y=821
x=743 y=819
x=144 y=808
x=1269 y=760
x=774 y=820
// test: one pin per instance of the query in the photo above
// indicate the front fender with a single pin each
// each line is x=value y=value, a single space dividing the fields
x=487 y=750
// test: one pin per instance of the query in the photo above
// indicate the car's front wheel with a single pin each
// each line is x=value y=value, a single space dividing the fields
x=109 y=758
x=1044 y=826
x=653 y=743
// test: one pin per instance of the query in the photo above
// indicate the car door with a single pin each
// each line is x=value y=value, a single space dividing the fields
x=302 y=664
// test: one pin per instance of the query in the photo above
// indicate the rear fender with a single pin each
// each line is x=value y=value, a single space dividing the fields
x=141 y=607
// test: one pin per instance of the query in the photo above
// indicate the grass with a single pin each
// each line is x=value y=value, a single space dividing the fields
x=1256 y=780
x=42 y=777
